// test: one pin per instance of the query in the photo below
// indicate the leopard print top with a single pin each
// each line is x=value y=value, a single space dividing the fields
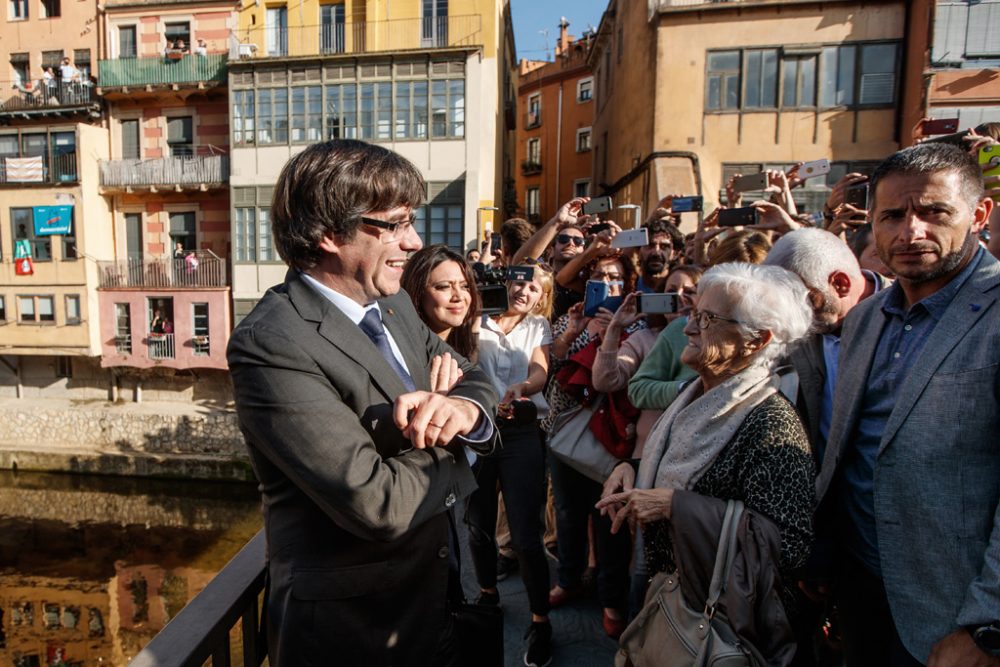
x=769 y=466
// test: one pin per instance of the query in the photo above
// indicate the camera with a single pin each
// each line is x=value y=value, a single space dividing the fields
x=492 y=285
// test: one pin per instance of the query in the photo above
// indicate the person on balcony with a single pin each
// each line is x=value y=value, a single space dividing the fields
x=202 y=48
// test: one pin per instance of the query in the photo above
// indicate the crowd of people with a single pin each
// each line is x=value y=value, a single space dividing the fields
x=835 y=374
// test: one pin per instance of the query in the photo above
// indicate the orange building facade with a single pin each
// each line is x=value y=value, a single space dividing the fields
x=554 y=136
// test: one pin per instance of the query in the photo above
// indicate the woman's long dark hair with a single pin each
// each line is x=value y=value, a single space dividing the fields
x=416 y=279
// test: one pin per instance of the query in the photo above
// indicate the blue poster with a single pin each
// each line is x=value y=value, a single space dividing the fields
x=51 y=220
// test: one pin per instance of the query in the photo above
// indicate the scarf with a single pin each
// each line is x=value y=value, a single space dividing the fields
x=693 y=431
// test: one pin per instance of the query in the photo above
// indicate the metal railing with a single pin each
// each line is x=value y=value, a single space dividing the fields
x=529 y=168
x=201 y=630
x=39 y=95
x=532 y=119
x=189 y=69
x=123 y=344
x=199 y=268
x=39 y=168
x=207 y=165
x=357 y=37
x=160 y=345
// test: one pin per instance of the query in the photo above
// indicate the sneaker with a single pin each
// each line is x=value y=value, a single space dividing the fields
x=539 y=653
x=505 y=566
x=489 y=599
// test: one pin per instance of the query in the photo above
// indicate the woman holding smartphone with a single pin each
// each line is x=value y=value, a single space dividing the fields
x=514 y=352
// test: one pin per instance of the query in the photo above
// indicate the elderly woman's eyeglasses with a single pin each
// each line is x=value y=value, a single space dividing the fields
x=397 y=230
x=705 y=319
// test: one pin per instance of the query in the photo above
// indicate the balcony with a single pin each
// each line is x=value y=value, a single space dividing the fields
x=205 y=169
x=23 y=170
x=35 y=99
x=530 y=167
x=358 y=37
x=532 y=119
x=160 y=346
x=207 y=270
x=150 y=73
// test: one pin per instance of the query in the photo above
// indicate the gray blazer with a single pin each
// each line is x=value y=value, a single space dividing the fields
x=356 y=522
x=810 y=367
x=937 y=473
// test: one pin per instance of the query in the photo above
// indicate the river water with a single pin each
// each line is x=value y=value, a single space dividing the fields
x=92 y=567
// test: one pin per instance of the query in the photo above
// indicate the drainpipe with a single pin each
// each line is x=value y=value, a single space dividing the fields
x=558 y=201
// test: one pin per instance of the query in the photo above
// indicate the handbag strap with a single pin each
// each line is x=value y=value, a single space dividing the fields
x=725 y=555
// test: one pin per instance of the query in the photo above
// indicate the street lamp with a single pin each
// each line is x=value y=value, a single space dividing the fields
x=637 y=215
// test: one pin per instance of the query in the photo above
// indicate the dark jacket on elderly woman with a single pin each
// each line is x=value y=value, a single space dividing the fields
x=752 y=598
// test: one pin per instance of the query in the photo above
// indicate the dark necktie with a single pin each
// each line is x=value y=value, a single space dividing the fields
x=371 y=324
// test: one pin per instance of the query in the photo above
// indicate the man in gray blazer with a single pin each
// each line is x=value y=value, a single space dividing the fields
x=359 y=459
x=913 y=460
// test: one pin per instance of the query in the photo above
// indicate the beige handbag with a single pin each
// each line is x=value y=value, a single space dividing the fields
x=573 y=443
x=670 y=633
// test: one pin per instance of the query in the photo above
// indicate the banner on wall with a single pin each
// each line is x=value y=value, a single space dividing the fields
x=50 y=220
x=23 y=266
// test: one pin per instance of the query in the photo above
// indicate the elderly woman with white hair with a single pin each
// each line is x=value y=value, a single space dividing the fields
x=731 y=434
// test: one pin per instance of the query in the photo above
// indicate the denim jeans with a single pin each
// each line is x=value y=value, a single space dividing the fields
x=576 y=494
x=519 y=466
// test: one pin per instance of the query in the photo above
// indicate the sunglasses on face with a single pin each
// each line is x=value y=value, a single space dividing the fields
x=566 y=238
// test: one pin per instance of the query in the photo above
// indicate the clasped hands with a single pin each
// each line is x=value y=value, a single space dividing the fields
x=621 y=501
x=432 y=418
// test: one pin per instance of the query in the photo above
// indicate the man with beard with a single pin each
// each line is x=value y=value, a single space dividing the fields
x=656 y=258
x=912 y=464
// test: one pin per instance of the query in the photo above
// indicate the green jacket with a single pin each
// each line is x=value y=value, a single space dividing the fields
x=658 y=380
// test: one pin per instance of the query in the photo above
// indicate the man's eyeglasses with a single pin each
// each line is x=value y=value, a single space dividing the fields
x=397 y=230
x=705 y=318
x=566 y=238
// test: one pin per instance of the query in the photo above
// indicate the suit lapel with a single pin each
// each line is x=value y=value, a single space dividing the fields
x=346 y=336
x=968 y=306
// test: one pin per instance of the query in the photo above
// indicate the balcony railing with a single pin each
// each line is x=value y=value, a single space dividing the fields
x=530 y=168
x=123 y=344
x=203 y=269
x=160 y=345
x=25 y=169
x=36 y=96
x=202 y=629
x=357 y=37
x=136 y=72
x=207 y=165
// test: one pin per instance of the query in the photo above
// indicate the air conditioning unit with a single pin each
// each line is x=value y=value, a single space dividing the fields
x=247 y=50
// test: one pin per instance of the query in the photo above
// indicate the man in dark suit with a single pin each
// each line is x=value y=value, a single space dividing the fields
x=359 y=458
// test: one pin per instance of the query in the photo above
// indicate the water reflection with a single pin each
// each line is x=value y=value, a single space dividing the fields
x=91 y=568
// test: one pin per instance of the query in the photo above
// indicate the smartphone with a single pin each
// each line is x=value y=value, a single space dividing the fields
x=940 y=126
x=991 y=155
x=750 y=182
x=495 y=244
x=814 y=168
x=598 y=228
x=596 y=297
x=668 y=302
x=521 y=273
x=631 y=238
x=857 y=196
x=597 y=205
x=738 y=217
x=687 y=204
x=494 y=299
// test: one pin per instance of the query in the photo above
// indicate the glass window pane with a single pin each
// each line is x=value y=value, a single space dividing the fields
x=714 y=95
x=751 y=94
x=732 y=91
x=26 y=306
x=46 y=309
x=807 y=79
x=723 y=60
x=456 y=119
x=789 y=82
x=769 y=80
x=845 y=74
x=419 y=109
x=828 y=77
x=266 y=247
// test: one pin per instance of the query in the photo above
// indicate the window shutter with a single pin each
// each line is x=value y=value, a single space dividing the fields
x=130 y=138
x=983 y=37
x=244 y=197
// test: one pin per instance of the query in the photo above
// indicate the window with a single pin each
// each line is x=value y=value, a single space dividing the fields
x=307 y=113
x=64 y=367
x=182 y=230
x=199 y=319
x=376 y=110
x=246 y=235
x=585 y=89
x=342 y=111
x=50 y=9
x=272 y=108
x=331 y=21
x=180 y=136
x=133 y=237
x=252 y=225
x=81 y=58
x=441 y=219
x=177 y=31
x=722 y=89
x=130 y=138
x=73 y=309
x=18 y=10
x=534 y=154
x=581 y=188
x=851 y=75
x=434 y=31
x=583 y=140
x=63 y=157
x=411 y=109
x=3 y=308
x=534 y=110
x=22 y=224
x=243 y=132
x=20 y=63
x=448 y=108
x=38 y=309
x=531 y=201
x=276 y=21
x=123 y=328
x=52 y=59
x=127 y=42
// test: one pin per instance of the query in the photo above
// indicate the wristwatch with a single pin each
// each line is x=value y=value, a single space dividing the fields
x=987 y=638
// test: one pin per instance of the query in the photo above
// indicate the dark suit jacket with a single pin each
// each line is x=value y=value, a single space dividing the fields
x=810 y=367
x=356 y=521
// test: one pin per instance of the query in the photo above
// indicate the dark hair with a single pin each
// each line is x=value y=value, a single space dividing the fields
x=693 y=271
x=514 y=233
x=323 y=190
x=416 y=280
x=631 y=272
x=665 y=226
x=747 y=246
x=928 y=158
